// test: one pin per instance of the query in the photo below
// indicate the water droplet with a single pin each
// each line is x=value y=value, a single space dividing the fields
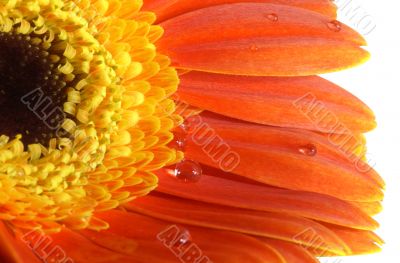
x=272 y=17
x=309 y=150
x=188 y=171
x=179 y=141
x=188 y=126
x=335 y=26
x=182 y=242
x=184 y=237
x=185 y=126
x=254 y=48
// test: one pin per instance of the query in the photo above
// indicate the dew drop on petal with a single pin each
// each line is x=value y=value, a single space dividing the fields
x=188 y=171
x=335 y=25
x=185 y=126
x=183 y=241
x=179 y=141
x=272 y=17
x=188 y=126
x=309 y=150
x=184 y=237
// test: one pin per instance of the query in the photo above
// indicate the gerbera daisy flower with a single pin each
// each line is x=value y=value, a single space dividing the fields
x=181 y=131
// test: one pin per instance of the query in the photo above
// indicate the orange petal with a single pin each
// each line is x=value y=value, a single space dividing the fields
x=291 y=252
x=80 y=249
x=355 y=143
x=216 y=190
x=302 y=102
x=247 y=42
x=360 y=242
x=12 y=247
x=209 y=128
x=137 y=243
x=251 y=250
x=273 y=225
x=281 y=158
x=250 y=20
x=293 y=171
x=142 y=238
x=372 y=208
x=166 y=9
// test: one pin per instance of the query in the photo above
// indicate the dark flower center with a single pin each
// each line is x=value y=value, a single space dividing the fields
x=32 y=89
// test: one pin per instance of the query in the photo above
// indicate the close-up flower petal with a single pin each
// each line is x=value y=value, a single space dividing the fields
x=270 y=100
x=165 y=9
x=294 y=42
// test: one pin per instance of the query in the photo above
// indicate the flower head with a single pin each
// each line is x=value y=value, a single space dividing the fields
x=254 y=158
x=83 y=127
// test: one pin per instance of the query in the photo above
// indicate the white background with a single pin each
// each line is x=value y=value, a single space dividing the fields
x=377 y=84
